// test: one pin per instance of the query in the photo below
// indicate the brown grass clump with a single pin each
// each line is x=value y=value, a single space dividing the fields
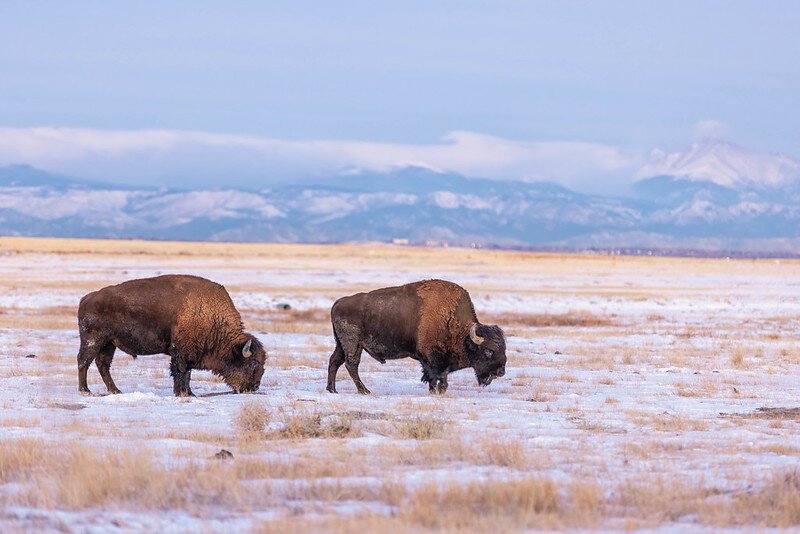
x=504 y=453
x=588 y=499
x=310 y=321
x=777 y=504
x=420 y=427
x=306 y=465
x=659 y=499
x=345 y=524
x=665 y=422
x=490 y=505
x=541 y=320
x=542 y=393
x=737 y=357
x=305 y=424
x=250 y=421
x=81 y=476
x=18 y=455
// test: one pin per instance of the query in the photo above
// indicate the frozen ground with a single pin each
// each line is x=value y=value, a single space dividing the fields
x=639 y=393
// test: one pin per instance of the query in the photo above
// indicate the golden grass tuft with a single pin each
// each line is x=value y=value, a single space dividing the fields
x=81 y=476
x=489 y=505
x=250 y=420
x=776 y=504
x=17 y=456
x=737 y=357
x=304 y=424
x=541 y=320
x=309 y=321
x=420 y=427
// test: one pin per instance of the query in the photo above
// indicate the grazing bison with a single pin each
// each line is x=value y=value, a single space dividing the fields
x=191 y=319
x=432 y=321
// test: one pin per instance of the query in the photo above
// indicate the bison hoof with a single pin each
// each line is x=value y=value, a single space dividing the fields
x=331 y=389
x=114 y=391
x=85 y=391
x=365 y=391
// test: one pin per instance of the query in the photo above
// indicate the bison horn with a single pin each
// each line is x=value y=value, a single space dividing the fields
x=246 y=351
x=473 y=334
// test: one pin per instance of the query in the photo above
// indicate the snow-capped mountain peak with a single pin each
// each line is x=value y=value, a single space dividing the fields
x=724 y=164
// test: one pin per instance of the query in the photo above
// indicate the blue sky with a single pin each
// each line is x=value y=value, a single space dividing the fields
x=628 y=76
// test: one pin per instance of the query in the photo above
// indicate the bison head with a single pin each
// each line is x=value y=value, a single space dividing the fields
x=245 y=371
x=486 y=347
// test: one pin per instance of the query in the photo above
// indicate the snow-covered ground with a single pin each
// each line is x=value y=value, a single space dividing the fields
x=633 y=390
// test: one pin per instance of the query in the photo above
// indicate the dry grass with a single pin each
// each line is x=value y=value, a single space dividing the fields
x=297 y=466
x=490 y=505
x=420 y=426
x=250 y=421
x=79 y=476
x=475 y=464
x=737 y=357
x=582 y=319
x=300 y=423
x=19 y=421
x=503 y=452
x=486 y=451
x=41 y=318
x=665 y=422
x=336 y=524
x=309 y=321
x=543 y=393
x=17 y=456
x=776 y=504
x=703 y=387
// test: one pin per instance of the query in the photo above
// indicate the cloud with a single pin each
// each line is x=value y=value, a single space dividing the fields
x=710 y=129
x=185 y=158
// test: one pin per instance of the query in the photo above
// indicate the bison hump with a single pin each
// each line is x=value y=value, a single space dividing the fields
x=445 y=310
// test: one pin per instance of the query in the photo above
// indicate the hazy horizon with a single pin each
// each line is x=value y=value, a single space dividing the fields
x=575 y=93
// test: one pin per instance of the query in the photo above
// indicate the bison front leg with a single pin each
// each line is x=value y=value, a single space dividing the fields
x=437 y=381
x=441 y=388
x=430 y=379
x=181 y=374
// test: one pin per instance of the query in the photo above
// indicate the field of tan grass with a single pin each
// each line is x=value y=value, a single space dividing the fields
x=640 y=393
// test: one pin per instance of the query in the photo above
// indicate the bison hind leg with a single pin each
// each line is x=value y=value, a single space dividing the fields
x=351 y=364
x=86 y=355
x=336 y=361
x=103 y=362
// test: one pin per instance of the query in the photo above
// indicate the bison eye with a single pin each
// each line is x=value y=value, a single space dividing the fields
x=488 y=353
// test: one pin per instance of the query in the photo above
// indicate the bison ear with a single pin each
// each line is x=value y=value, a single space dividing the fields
x=246 y=350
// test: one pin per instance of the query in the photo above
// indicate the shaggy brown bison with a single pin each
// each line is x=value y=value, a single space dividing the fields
x=191 y=319
x=432 y=321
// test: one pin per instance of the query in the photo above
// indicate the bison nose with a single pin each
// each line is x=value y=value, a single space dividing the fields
x=501 y=372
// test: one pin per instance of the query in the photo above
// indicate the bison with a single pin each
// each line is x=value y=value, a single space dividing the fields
x=432 y=321
x=191 y=319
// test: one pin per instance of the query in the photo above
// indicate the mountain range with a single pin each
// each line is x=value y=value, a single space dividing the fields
x=714 y=197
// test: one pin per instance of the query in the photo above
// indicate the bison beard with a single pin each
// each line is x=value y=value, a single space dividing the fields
x=432 y=321
x=191 y=319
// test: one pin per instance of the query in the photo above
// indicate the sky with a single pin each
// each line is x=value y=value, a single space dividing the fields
x=575 y=92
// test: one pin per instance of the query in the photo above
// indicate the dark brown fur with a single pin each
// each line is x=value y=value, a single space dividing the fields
x=428 y=321
x=191 y=319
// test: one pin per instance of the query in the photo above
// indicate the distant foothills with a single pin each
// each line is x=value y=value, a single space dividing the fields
x=716 y=199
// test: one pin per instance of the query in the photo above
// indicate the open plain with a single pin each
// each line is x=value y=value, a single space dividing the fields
x=640 y=393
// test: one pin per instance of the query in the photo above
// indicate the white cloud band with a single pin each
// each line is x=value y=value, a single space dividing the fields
x=199 y=158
